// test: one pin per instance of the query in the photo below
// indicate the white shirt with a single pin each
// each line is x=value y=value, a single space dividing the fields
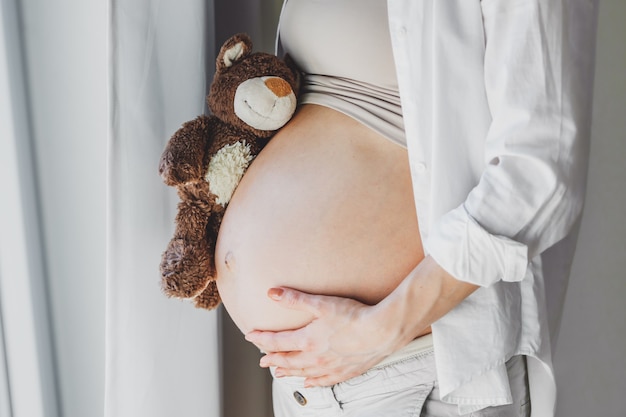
x=496 y=99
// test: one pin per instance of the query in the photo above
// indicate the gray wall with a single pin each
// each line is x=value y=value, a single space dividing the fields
x=590 y=359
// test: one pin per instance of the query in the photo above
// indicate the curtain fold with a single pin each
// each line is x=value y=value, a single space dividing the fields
x=161 y=354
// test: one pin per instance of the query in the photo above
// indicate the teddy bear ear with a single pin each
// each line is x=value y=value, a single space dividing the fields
x=234 y=49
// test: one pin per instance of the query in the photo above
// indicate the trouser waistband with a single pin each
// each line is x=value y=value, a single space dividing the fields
x=415 y=347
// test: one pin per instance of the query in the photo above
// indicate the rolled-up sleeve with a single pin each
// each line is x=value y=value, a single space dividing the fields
x=538 y=72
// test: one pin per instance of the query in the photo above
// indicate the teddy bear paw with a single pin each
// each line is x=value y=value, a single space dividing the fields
x=185 y=268
x=209 y=298
x=174 y=175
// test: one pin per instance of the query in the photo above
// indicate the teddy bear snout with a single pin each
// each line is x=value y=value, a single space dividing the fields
x=278 y=86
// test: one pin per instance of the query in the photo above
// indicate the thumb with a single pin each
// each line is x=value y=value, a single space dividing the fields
x=297 y=300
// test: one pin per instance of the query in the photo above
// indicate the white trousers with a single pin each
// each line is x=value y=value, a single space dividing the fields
x=404 y=388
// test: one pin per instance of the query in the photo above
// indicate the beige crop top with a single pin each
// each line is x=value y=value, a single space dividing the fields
x=344 y=49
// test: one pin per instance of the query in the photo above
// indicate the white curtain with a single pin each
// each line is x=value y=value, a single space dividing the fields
x=161 y=354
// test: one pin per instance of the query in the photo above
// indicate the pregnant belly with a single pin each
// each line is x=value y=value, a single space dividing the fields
x=326 y=208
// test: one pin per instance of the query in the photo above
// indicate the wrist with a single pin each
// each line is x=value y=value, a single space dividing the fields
x=389 y=328
x=426 y=294
x=397 y=315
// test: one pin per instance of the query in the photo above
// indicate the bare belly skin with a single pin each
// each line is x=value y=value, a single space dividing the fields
x=327 y=208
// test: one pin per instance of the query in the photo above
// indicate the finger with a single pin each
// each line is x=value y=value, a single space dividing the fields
x=301 y=372
x=286 y=360
x=285 y=341
x=298 y=300
x=290 y=360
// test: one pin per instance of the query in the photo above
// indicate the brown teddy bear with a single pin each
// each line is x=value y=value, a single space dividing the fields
x=252 y=95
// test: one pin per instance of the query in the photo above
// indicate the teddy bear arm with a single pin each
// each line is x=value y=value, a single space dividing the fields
x=183 y=159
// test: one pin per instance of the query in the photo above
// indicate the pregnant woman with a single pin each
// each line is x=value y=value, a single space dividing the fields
x=436 y=154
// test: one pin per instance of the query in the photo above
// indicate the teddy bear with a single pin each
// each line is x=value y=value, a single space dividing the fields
x=253 y=94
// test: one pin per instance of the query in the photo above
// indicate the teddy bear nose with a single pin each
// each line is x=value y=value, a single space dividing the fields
x=278 y=86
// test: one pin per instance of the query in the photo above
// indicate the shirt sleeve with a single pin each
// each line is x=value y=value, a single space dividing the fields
x=538 y=72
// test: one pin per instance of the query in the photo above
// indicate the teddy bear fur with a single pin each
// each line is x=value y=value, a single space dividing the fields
x=207 y=156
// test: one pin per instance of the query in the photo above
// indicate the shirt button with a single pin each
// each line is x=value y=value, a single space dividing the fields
x=402 y=32
x=300 y=399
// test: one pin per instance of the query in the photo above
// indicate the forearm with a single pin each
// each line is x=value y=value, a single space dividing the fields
x=424 y=296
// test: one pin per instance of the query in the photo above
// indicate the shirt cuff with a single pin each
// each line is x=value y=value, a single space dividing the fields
x=462 y=247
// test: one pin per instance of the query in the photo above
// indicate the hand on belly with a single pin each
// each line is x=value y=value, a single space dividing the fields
x=342 y=340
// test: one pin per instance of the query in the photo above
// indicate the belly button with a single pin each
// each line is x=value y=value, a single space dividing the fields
x=229 y=260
